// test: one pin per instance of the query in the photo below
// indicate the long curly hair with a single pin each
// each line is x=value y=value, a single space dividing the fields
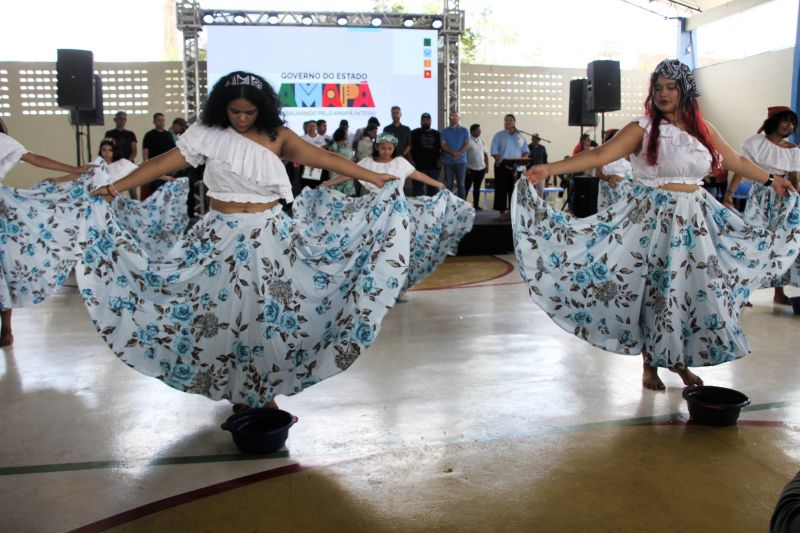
x=229 y=88
x=771 y=123
x=689 y=112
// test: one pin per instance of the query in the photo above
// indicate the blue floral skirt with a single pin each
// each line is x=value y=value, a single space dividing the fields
x=660 y=272
x=763 y=205
x=246 y=306
x=608 y=195
x=437 y=223
x=158 y=222
x=40 y=231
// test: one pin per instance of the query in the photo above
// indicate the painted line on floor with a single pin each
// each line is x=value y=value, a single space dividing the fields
x=186 y=497
x=218 y=488
x=509 y=269
x=669 y=419
x=134 y=463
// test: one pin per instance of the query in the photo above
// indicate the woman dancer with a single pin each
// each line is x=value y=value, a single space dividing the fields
x=774 y=153
x=615 y=178
x=437 y=223
x=156 y=223
x=665 y=271
x=11 y=152
x=245 y=307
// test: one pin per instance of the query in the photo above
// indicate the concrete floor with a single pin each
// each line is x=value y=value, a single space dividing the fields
x=472 y=412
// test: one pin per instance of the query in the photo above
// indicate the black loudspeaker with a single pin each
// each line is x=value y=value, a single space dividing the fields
x=583 y=195
x=75 y=69
x=604 y=86
x=93 y=116
x=579 y=114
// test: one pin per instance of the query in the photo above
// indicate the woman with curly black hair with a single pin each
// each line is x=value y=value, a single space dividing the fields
x=246 y=306
x=666 y=269
x=777 y=155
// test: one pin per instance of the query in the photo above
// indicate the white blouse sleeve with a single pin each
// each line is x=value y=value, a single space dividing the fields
x=192 y=144
x=10 y=153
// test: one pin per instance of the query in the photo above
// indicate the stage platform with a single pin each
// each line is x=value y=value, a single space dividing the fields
x=489 y=235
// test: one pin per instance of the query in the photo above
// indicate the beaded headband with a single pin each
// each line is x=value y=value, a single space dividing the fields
x=247 y=79
x=675 y=70
x=386 y=138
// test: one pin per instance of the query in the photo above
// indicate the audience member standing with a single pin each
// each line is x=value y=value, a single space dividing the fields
x=455 y=140
x=477 y=164
x=538 y=154
x=322 y=129
x=507 y=143
x=372 y=121
x=425 y=154
x=400 y=131
x=125 y=139
x=310 y=176
x=156 y=142
x=364 y=142
x=584 y=143
x=179 y=125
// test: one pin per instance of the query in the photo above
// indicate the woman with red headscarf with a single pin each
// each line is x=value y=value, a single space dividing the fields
x=774 y=153
x=665 y=270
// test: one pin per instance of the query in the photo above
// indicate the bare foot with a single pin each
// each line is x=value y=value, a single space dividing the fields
x=781 y=298
x=6 y=340
x=690 y=379
x=239 y=407
x=650 y=379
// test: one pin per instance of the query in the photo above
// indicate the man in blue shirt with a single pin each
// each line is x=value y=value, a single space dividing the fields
x=455 y=141
x=506 y=144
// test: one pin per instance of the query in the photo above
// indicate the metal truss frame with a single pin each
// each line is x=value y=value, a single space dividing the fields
x=191 y=19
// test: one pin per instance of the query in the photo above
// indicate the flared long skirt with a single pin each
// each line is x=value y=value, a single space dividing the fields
x=246 y=306
x=764 y=204
x=437 y=223
x=659 y=272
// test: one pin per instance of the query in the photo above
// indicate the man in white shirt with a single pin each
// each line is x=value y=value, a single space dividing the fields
x=309 y=176
x=477 y=164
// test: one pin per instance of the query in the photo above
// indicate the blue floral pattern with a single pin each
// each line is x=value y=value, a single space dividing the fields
x=659 y=271
x=436 y=226
x=158 y=222
x=608 y=195
x=40 y=230
x=247 y=305
x=762 y=207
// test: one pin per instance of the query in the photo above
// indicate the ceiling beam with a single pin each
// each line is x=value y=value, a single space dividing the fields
x=720 y=12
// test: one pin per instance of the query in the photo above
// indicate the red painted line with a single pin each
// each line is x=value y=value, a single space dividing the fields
x=186 y=497
x=752 y=423
x=508 y=270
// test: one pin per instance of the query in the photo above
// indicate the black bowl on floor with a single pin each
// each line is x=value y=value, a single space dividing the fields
x=795 y=304
x=714 y=406
x=261 y=430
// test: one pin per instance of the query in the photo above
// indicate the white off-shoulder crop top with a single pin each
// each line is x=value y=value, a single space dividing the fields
x=771 y=157
x=237 y=168
x=682 y=158
x=399 y=167
x=10 y=153
x=620 y=167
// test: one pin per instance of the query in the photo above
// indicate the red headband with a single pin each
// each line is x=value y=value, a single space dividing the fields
x=774 y=110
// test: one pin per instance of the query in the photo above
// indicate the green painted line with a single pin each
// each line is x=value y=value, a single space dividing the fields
x=131 y=463
x=767 y=406
x=200 y=459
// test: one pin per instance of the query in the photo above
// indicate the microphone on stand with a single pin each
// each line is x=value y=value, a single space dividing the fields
x=531 y=135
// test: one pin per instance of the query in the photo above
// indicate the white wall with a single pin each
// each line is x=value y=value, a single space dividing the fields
x=735 y=97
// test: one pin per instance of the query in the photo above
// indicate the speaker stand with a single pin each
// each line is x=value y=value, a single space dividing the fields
x=602 y=125
x=77 y=138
